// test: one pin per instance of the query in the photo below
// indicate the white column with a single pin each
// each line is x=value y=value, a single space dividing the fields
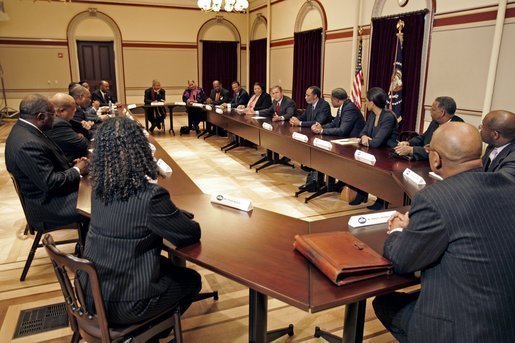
x=268 y=42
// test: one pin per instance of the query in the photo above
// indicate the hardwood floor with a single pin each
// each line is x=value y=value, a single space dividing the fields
x=207 y=321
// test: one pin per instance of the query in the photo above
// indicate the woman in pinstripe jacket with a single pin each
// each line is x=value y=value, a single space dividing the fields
x=129 y=219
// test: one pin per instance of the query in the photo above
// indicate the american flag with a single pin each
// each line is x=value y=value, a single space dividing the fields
x=358 y=80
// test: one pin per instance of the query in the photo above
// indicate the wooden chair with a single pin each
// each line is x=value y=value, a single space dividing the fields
x=81 y=228
x=94 y=327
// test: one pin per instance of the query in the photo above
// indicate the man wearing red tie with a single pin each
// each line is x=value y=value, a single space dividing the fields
x=282 y=108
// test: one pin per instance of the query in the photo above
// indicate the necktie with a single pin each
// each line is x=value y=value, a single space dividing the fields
x=217 y=96
x=277 y=106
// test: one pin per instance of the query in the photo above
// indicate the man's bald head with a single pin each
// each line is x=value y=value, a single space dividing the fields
x=456 y=148
x=498 y=128
x=64 y=105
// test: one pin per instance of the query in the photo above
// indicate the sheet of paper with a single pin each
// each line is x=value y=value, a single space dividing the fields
x=344 y=141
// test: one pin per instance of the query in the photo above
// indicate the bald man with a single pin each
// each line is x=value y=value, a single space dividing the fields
x=498 y=131
x=459 y=233
x=74 y=145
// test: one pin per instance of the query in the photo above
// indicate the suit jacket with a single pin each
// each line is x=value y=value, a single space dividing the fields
x=287 y=108
x=504 y=161
x=151 y=95
x=242 y=98
x=263 y=102
x=460 y=236
x=224 y=96
x=419 y=153
x=200 y=98
x=71 y=143
x=125 y=239
x=82 y=114
x=386 y=131
x=322 y=114
x=48 y=183
x=348 y=122
x=104 y=100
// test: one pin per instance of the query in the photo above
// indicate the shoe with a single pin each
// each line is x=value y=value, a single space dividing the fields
x=306 y=169
x=159 y=126
x=378 y=205
x=360 y=198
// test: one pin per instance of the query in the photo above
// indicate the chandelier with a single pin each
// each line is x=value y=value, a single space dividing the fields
x=228 y=5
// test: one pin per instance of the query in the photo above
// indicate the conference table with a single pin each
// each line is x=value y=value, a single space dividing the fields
x=256 y=249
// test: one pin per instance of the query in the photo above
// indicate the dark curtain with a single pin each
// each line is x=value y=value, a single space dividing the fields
x=219 y=62
x=307 y=62
x=257 y=67
x=382 y=55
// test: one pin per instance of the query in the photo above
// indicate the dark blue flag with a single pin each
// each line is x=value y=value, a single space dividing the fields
x=396 y=84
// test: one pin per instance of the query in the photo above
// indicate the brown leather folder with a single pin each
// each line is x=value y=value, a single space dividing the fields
x=342 y=257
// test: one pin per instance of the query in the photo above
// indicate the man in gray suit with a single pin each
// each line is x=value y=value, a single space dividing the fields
x=498 y=131
x=460 y=234
x=47 y=181
x=282 y=108
x=317 y=111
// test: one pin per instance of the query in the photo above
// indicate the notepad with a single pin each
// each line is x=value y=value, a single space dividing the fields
x=345 y=141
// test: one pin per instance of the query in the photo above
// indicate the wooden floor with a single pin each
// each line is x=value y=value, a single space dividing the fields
x=213 y=171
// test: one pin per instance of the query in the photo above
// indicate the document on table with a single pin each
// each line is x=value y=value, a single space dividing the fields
x=259 y=117
x=345 y=141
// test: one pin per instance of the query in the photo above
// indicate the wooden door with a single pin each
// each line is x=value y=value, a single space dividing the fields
x=96 y=62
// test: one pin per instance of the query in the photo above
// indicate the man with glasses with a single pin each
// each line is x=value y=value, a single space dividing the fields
x=442 y=111
x=498 y=131
x=317 y=111
x=48 y=182
x=459 y=233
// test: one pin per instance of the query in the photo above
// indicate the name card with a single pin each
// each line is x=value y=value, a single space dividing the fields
x=411 y=176
x=209 y=107
x=299 y=137
x=267 y=126
x=435 y=176
x=219 y=111
x=230 y=201
x=370 y=219
x=131 y=106
x=320 y=143
x=157 y=103
x=196 y=104
x=180 y=103
x=164 y=169
x=365 y=157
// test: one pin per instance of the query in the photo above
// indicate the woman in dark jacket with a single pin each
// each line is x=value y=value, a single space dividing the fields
x=130 y=217
x=380 y=130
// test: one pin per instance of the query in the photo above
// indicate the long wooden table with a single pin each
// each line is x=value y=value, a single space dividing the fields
x=339 y=162
x=256 y=250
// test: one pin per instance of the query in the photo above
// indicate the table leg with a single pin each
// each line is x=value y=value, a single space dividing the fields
x=146 y=119
x=171 y=121
x=353 y=325
x=258 y=308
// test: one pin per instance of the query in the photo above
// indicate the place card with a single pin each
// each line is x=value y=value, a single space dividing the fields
x=230 y=201
x=435 y=176
x=300 y=137
x=164 y=169
x=411 y=176
x=180 y=103
x=196 y=104
x=370 y=219
x=365 y=157
x=209 y=107
x=219 y=111
x=267 y=126
x=320 y=143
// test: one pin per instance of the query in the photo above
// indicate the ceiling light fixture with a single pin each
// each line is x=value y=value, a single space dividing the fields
x=226 y=5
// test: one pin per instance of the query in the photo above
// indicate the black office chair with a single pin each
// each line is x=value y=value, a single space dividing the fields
x=94 y=327
x=81 y=228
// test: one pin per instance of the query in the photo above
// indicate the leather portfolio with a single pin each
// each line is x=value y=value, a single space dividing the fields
x=342 y=257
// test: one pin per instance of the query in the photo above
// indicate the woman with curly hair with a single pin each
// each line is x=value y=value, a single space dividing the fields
x=130 y=216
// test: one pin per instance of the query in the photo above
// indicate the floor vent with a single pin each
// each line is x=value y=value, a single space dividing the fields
x=41 y=319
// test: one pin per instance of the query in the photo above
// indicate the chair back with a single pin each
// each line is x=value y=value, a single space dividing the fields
x=407 y=135
x=22 y=200
x=74 y=293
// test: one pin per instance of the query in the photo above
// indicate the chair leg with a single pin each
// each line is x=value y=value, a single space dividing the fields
x=177 y=326
x=26 y=231
x=75 y=337
x=32 y=252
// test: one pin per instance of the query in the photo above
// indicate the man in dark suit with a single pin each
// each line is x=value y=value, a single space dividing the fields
x=74 y=145
x=156 y=114
x=282 y=108
x=102 y=94
x=498 y=131
x=218 y=95
x=239 y=97
x=318 y=110
x=460 y=236
x=48 y=182
x=442 y=111
x=348 y=121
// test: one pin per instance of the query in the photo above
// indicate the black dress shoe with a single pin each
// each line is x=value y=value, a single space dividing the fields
x=378 y=205
x=360 y=198
x=159 y=126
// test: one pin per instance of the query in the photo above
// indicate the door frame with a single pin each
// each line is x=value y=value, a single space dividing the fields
x=117 y=45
